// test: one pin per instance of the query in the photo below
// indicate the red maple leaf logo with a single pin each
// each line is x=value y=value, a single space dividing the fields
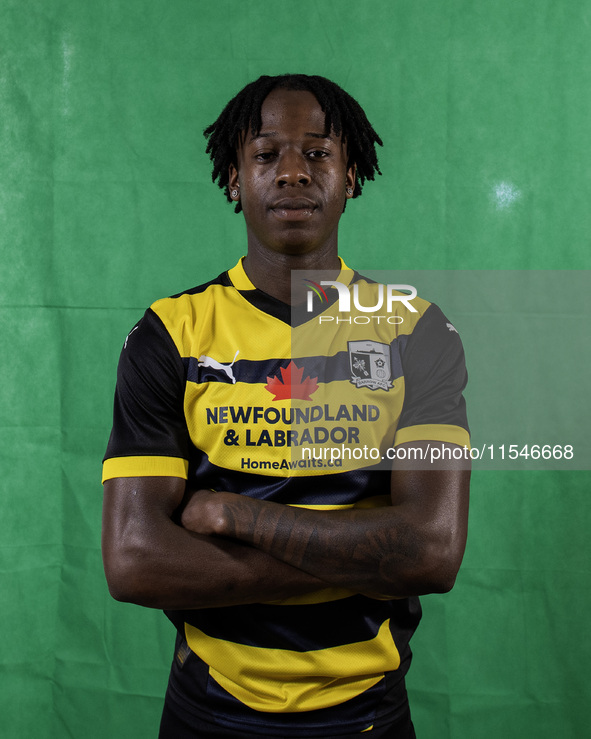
x=291 y=384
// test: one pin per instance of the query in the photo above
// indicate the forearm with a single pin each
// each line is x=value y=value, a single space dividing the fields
x=205 y=573
x=154 y=562
x=371 y=551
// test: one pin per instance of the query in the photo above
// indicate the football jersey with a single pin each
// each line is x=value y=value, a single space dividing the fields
x=228 y=388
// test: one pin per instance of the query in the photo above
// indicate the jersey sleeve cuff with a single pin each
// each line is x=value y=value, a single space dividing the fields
x=145 y=467
x=433 y=432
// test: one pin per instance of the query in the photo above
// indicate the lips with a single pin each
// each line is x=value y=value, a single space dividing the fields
x=293 y=209
x=294 y=204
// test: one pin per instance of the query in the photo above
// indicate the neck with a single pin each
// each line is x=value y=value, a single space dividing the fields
x=271 y=271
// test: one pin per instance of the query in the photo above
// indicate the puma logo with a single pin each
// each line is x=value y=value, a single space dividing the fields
x=128 y=335
x=204 y=361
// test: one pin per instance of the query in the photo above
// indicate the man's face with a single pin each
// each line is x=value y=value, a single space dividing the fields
x=292 y=178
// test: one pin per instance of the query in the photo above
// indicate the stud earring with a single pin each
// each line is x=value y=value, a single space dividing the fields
x=349 y=191
x=234 y=194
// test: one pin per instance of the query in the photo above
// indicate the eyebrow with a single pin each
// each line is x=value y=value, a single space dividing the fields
x=270 y=134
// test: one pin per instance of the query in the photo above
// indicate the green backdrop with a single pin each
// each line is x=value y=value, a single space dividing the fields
x=106 y=205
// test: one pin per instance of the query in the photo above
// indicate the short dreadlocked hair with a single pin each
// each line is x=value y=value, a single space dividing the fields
x=343 y=114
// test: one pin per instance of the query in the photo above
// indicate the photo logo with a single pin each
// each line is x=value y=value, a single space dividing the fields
x=315 y=289
x=386 y=294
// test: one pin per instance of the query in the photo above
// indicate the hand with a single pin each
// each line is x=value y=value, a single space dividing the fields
x=203 y=512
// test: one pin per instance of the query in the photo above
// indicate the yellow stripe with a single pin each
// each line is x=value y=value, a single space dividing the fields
x=311 y=338
x=281 y=680
x=375 y=501
x=319 y=507
x=145 y=467
x=211 y=437
x=217 y=307
x=433 y=432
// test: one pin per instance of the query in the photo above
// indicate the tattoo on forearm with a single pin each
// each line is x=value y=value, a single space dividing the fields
x=362 y=546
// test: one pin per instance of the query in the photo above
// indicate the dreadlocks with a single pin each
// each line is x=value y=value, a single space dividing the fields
x=343 y=114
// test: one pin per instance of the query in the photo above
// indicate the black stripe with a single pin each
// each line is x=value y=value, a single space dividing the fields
x=268 y=304
x=334 y=368
x=219 y=280
x=299 y=628
x=342 y=488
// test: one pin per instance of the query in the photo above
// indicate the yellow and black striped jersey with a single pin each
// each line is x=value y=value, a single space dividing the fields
x=223 y=386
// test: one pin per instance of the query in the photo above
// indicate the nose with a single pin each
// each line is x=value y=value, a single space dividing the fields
x=292 y=169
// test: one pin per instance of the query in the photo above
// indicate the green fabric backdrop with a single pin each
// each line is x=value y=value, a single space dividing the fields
x=106 y=205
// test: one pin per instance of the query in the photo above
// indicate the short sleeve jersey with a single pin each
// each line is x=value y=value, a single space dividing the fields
x=213 y=387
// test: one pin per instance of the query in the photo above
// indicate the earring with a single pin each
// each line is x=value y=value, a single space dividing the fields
x=234 y=194
x=349 y=191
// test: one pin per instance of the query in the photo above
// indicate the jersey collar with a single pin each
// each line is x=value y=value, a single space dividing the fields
x=270 y=305
x=241 y=281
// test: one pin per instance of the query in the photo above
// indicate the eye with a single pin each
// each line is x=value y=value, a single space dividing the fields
x=264 y=156
x=318 y=154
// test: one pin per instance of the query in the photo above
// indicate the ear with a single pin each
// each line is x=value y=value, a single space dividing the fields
x=233 y=182
x=350 y=179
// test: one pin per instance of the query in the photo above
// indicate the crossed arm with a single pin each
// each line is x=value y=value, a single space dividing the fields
x=231 y=549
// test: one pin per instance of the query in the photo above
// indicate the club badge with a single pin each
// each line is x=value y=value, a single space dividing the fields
x=370 y=364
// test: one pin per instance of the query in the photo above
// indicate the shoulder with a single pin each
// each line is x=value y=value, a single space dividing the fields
x=168 y=308
x=434 y=333
x=179 y=316
x=402 y=306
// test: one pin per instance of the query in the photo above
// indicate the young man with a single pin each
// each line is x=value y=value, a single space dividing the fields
x=293 y=588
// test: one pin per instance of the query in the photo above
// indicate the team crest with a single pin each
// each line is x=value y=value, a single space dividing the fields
x=370 y=364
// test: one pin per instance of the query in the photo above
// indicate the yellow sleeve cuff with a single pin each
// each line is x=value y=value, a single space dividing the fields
x=433 y=432
x=145 y=467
